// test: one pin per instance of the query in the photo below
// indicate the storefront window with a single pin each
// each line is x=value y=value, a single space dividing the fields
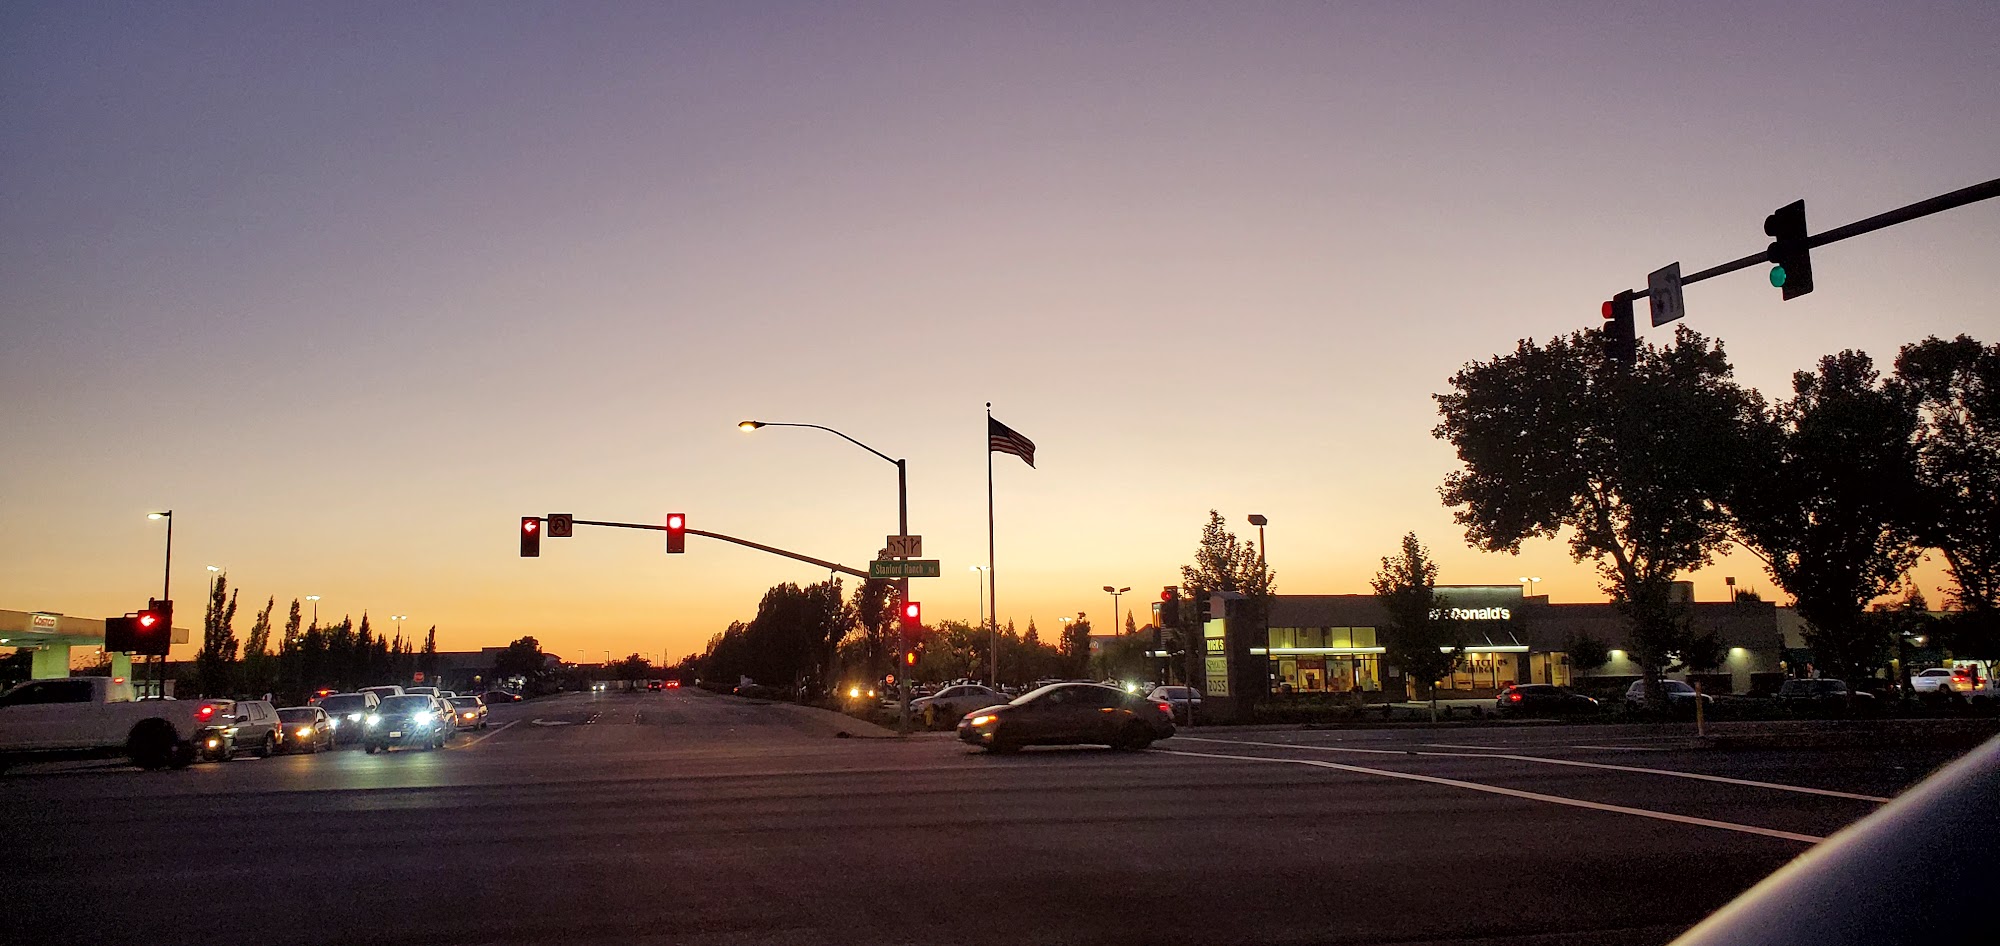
x=1284 y=637
x=1364 y=637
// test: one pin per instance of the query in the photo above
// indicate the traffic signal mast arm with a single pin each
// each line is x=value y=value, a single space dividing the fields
x=1922 y=208
x=746 y=543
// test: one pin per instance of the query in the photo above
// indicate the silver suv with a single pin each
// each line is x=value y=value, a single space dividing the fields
x=244 y=724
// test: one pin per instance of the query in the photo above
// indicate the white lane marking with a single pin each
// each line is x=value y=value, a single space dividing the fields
x=1625 y=748
x=476 y=740
x=1451 y=745
x=1516 y=793
x=1748 y=783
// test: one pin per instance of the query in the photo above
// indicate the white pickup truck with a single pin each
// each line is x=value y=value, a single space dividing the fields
x=98 y=716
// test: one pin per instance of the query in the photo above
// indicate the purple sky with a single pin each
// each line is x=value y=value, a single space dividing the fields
x=352 y=288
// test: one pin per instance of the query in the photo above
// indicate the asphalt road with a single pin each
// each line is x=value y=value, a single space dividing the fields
x=685 y=817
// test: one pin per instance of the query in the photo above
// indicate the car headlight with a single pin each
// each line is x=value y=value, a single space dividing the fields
x=421 y=717
x=354 y=717
x=374 y=718
x=983 y=719
x=468 y=716
x=305 y=732
x=333 y=724
x=853 y=693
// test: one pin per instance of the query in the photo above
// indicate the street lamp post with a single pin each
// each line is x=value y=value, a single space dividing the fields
x=902 y=528
x=1259 y=521
x=992 y=631
x=315 y=600
x=1531 y=583
x=1114 y=593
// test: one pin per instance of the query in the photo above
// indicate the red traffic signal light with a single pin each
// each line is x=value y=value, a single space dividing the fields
x=676 y=533
x=531 y=537
x=913 y=614
x=147 y=621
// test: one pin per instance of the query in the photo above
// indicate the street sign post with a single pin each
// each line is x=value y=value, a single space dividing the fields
x=561 y=525
x=904 y=546
x=914 y=568
x=1663 y=291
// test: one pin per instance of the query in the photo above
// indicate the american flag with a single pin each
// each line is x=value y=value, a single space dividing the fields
x=1001 y=438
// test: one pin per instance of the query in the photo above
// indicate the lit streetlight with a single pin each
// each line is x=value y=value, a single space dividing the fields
x=315 y=600
x=1531 y=583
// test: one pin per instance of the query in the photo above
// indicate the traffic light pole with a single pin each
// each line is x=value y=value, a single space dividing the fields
x=746 y=543
x=1922 y=208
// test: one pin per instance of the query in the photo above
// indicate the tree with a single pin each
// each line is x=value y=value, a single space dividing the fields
x=1419 y=637
x=260 y=669
x=875 y=614
x=632 y=668
x=1828 y=501
x=522 y=658
x=1131 y=626
x=1074 y=647
x=1586 y=653
x=215 y=663
x=1957 y=384
x=1630 y=464
x=427 y=658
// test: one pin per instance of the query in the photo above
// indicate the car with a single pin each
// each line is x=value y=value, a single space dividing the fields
x=500 y=696
x=422 y=691
x=411 y=719
x=304 y=729
x=79 y=717
x=673 y=684
x=445 y=711
x=1183 y=702
x=468 y=712
x=653 y=685
x=1680 y=697
x=949 y=704
x=383 y=692
x=348 y=713
x=1935 y=680
x=1824 y=697
x=1070 y=714
x=246 y=724
x=1542 y=699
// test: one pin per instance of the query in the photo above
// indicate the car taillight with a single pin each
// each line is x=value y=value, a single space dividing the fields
x=205 y=712
x=1513 y=697
x=1167 y=708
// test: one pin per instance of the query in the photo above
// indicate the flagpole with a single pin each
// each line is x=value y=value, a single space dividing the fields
x=993 y=586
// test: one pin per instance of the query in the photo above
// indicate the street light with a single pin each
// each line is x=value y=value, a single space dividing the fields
x=902 y=528
x=166 y=592
x=315 y=600
x=992 y=630
x=1114 y=593
x=1531 y=583
x=1259 y=521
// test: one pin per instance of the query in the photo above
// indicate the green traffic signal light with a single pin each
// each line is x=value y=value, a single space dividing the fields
x=1777 y=277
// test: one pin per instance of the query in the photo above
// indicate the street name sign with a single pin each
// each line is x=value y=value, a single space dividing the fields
x=914 y=568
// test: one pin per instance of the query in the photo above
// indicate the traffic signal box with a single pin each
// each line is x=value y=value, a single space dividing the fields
x=531 y=537
x=676 y=533
x=1621 y=337
x=148 y=632
x=1793 y=257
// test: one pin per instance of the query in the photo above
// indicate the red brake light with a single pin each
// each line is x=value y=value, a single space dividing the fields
x=205 y=712
x=1167 y=708
x=1513 y=697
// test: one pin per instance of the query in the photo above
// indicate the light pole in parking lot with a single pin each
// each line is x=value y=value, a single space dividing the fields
x=1114 y=593
x=315 y=600
x=992 y=631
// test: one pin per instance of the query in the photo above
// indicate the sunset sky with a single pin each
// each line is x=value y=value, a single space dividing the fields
x=351 y=288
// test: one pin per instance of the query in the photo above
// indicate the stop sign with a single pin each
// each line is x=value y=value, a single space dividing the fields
x=419 y=676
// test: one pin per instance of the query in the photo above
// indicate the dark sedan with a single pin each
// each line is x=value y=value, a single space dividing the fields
x=407 y=721
x=1542 y=699
x=1069 y=714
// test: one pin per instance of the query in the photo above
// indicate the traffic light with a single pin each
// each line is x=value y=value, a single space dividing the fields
x=120 y=634
x=1793 y=258
x=531 y=537
x=913 y=614
x=677 y=533
x=1170 y=607
x=1621 y=338
x=910 y=657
